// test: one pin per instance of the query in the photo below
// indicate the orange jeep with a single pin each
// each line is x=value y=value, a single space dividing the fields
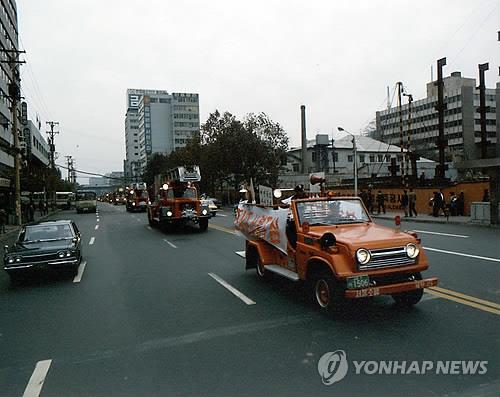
x=333 y=243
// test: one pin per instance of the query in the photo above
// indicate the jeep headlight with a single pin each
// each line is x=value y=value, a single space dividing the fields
x=363 y=256
x=169 y=213
x=412 y=251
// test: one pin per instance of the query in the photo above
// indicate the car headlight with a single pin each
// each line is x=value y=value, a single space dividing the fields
x=10 y=259
x=412 y=251
x=61 y=254
x=18 y=259
x=363 y=256
x=133 y=204
x=204 y=212
x=169 y=213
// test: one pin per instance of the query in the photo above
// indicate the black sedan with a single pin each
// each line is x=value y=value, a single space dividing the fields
x=44 y=246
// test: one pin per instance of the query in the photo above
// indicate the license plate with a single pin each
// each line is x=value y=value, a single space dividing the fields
x=357 y=282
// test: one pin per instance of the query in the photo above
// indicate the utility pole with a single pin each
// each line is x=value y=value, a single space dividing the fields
x=15 y=97
x=441 y=106
x=410 y=156
x=69 y=163
x=483 y=109
x=401 y=140
x=52 y=146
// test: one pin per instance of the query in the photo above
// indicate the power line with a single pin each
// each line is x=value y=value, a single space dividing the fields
x=89 y=173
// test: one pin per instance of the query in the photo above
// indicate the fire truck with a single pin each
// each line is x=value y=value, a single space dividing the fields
x=174 y=200
x=137 y=197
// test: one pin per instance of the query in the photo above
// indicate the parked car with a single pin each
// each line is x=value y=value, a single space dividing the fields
x=50 y=245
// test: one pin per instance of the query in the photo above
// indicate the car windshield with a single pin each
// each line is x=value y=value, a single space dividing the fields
x=46 y=233
x=331 y=212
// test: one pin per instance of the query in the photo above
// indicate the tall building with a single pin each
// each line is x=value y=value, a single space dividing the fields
x=461 y=121
x=8 y=42
x=157 y=122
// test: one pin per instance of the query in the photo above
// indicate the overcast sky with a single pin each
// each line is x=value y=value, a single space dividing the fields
x=335 y=57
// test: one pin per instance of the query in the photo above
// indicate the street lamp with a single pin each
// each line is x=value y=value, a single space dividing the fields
x=354 y=149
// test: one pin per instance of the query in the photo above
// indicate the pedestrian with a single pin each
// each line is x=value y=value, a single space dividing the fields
x=3 y=220
x=442 y=201
x=46 y=207
x=486 y=196
x=369 y=201
x=31 y=212
x=422 y=178
x=461 y=204
x=412 y=202
x=404 y=202
x=380 y=201
x=41 y=205
x=453 y=204
x=436 y=204
x=364 y=197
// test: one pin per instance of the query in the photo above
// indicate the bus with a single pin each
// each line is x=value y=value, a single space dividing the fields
x=86 y=201
x=64 y=200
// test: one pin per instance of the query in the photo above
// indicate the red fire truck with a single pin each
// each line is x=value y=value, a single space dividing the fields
x=175 y=202
x=137 y=197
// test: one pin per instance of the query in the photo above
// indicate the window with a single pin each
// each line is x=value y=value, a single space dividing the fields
x=349 y=158
x=313 y=156
x=362 y=158
x=372 y=158
x=380 y=158
x=296 y=167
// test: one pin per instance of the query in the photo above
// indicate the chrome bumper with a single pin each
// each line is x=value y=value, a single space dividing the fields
x=43 y=264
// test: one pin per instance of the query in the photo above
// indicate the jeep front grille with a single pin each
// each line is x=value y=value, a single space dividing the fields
x=387 y=257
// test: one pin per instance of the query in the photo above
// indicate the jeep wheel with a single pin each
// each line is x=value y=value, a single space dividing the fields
x=409 y=298
x=327 y=294
x=203 y=224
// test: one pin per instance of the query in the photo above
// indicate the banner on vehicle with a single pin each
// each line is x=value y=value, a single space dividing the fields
x=264 y=223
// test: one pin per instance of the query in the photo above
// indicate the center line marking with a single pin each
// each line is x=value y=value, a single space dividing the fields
x=149 y=228
x=233 y=290
x=484 y=258
x=96 y=227
x=37 y=379
x=79 y=275
x=97 y=219
x=241 y=253
x=441 y=234
x=92 y=239
x=169 y=243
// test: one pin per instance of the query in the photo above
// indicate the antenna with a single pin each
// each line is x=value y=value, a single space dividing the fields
x=388 y=98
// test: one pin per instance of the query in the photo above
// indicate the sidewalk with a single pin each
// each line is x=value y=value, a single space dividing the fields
x=11 y=230
x=425 y=218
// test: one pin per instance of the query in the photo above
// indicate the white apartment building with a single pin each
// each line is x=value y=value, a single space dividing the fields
x=157 y=122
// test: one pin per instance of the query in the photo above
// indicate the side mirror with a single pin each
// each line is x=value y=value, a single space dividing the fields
x=327 y=240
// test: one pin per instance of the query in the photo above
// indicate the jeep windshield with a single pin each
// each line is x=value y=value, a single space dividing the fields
x=331 y=212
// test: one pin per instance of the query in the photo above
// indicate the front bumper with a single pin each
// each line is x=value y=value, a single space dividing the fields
x=391 y=288
x=42 y=265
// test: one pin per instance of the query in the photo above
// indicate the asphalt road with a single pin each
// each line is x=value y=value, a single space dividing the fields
x=150 y=314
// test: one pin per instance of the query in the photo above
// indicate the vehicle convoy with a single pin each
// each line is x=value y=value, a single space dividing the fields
x=174 y=200
x=137 y=197
x=50 y=245
x=119 y=196
x=85 y=201
x=333 y=245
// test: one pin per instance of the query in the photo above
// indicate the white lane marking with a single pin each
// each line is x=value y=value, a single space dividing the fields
x=96 y=227
x=241 y=253
x=149 y=228
x=233 y=290
x=441 y=234
x=221 y=215
x=169 y=243
x=92 y=239
x=79 y=275
x=485 y=258
x=37 y=379
x=97 y=219
x=138 y=220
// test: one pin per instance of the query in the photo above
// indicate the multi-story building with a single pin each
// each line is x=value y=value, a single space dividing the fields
x=8 y=43
x=157 y=122
x=461 y=121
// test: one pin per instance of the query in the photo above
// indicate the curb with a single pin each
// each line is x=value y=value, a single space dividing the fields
x=417 y=220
